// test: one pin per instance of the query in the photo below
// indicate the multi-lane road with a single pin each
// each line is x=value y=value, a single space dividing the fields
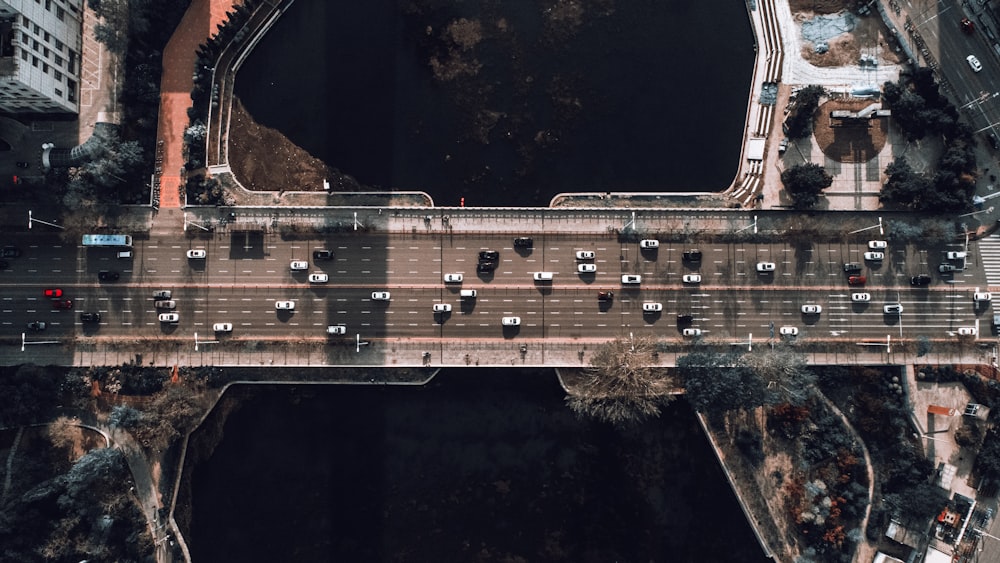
x=243 y=275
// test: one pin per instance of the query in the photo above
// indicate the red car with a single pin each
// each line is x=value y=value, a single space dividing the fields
x=53 y=293
x=967 y=26
x=63 y=304
x=856 y=280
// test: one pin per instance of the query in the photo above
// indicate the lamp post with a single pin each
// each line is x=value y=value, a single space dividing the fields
x=186 y=223
x=33 y=220
x=880 y=228
x=24 y=342
x=197 y=342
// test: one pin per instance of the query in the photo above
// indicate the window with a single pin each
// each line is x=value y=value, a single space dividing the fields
x=60 y=13
x=57 y=75
x=71 y=62
x=48 y=4
x=35 y=27
x=27 y=22
x=45 y=52
x=59 y=45
x=34 y=44
x=45 y=68
x=57 y=60
x=34 y=61
x=47 y=36
x=24 y=55
x=71 y=90
x=59 y=92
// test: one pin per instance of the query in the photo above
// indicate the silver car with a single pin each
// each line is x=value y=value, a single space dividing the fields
x=165 y=304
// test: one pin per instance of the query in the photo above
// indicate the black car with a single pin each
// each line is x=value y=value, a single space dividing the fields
x=993 y=141
x=852 y=267
x=524 y=242
x=692 y=256
x=90 y=317
x=685 y=319
x=605 y=295
x=22 y=164
x=322 y=255
x=484 y=267
x=36 y=326
x=108 y=275
x=10 y=252
x=489 y=255
x=920 y=280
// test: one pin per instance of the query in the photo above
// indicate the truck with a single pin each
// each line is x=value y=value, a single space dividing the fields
x=107 y=240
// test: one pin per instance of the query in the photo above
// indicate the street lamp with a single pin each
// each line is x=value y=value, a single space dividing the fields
x=24 y=342
x=881 y=230
x=33 y=220
x=197 y=342
x=186 y=223
x=754 y=225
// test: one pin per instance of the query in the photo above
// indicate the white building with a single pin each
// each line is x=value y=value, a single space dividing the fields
x=40 y=46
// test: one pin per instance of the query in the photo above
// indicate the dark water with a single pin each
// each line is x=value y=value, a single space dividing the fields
x=644 y=95
x=480 y=466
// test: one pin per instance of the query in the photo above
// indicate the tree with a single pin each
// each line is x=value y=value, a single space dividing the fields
x=904 y=187
x=623 y=383
x=800 y=122
x=805 y=182
x=65 y=432
x=720 y=382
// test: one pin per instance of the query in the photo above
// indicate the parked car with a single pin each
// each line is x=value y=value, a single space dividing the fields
x=336 y=329
x=63 y=304
x=856 y=280
x=692 y=256
x=585 y=254
x=321 y=254
x=524 y=242
x=222 y=327
x=874 y=256
x=165 y=304
x=691 y=332
x=90 y=317
x=861 y=297
x=169 y=317
x=956 y=255
x=510 y=321
x=691 y=278
x=967 y=331
x=811 y=309
x=981 y=296
x=36 y=326
x=605 y=295
x=196 y=253
x=852 y=267
x=892 y=309
x=10 y=252
x=52 y=293
x=788 y=331
x=298 y=265
x=486 y=267
x=108 y=275
x=586 y=268
x=877 y=245
x=442 y=307
x=649 y=243
x=284 y=305
x=491 y=255
x=161 y=294
x=318 y=278
x=920 y=280
x=945 y=268
x=631 y=279
x=652 y=307
x=453 y=278
x=543 y=276
x=380 y=296
x=685 y=319
x=765 y=266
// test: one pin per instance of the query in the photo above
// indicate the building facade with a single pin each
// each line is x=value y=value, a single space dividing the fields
x=40 y=47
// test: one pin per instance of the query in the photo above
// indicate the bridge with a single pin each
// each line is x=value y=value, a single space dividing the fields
x=408 y=251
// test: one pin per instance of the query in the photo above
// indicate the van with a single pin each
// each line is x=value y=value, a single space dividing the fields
x=467 y=293
x=125 y=254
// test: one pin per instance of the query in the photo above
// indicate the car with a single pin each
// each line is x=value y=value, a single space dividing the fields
x=649 y=243
x=967 y=331
x=852 y=267
x=605 y=295
x=442 y=307
x=63 y=304
x=161 y=294
x=380 y=296
x=783 y=146
x=524 y=242
x=510 y=321
x=920 y=280
x=318 y=278
x=691 y=332
x=874 y=256
x=165 y=304
x=788 y=331
x=284 y=305
x=108 y=275
x=692 y=256
x=861 y=297
x=543 y=276
x=23 y=164
x=486 y=267
x=52 y=293
x=945 y=268
x=90 y=317
x=691 y=278
x=981 y=296
x=631 y=279
x=812 y=309
x=490 y=255
x=124 y=254
x=196 y=253
x=956 y=255
x=994 y=142
x=10 y=252
x=36 y=326
x=585 y=254
x=336 y=329
x=467 y=294
x=586 y=268
x=974 y=63
x=685 y=319
x=222 y=327
x=298 y=265
x=321 y=254
x=169 y=317
x=877 y=245
x=765 y=266
x=892 y=309
x=856 y=280
x=967 y=26
x=453 y=278
x=652 y=307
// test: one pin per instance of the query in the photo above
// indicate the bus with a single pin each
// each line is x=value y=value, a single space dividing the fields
x=107 y=240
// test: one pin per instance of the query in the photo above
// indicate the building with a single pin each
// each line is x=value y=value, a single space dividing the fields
x=40 y=46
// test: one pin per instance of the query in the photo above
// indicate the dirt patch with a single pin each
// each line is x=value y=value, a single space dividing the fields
x=867 y=38
x=817 y=6
x=849 y=140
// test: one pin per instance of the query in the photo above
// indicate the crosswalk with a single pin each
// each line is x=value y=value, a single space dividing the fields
x=989 y=252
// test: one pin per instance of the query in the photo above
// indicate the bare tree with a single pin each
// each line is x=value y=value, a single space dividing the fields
x=623 y=384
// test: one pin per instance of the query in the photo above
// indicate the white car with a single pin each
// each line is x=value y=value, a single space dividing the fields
x=318 y=278
x=892 y=309
x=765 y=266
x=585 y=254
x=812 y=309
x=649 y=243
x=442 y=307
x=222 y=327
x=691 y=278
x=956 y=255
x=196 y=253
x=169 y=317
x=877 y=245
x=974 y=63
x=631 y=279
x=510 y=321
x=861 y=297
x=380 y=296
x=586 y=268
x=336 y=329
x=788 y=331
x=874 y=256
x=691 y=332
x=284 y=305
x=981 y=297
x=967 y=331
x=652 y=307
x=297 y=265
x=165 y=304
x=543 y=276
x=453 y=278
